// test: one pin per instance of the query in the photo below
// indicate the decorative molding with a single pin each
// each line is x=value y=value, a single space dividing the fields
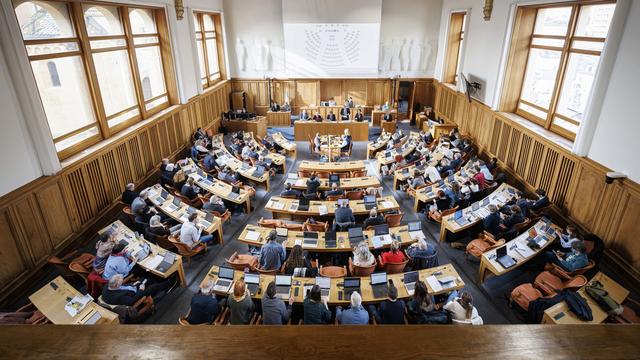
x=179 y=10
x=487 y=9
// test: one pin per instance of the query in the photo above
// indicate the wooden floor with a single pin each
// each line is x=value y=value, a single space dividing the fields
x=321 y=342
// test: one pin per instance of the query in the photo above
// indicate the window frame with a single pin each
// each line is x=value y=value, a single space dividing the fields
x=198 y=17
x=455 y=42
x=85 y=52
x=565 y=52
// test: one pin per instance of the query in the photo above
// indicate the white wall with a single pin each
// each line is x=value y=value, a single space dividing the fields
x=256 y=21
x=615 y=142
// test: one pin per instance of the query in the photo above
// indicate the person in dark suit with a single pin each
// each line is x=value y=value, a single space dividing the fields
x=129 y=194
x=304 y=115
x=542 y=201
x=289 y=191
x=349 y=102
x=359 y=116
x=115 y=293
x=189 y=189
x=331 y=116
x=387 y=117
x=373 y=219
x=313 y=184
x=204 y=306
x=391 y=310
x=491 y=223
x=317 y=117
x=508 y=221
x=156 y=228
x=344 y=113
x=334 y=191
x=344 y=214
x=215 y=204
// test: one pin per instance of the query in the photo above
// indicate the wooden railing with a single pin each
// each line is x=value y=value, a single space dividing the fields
x=538 y=159
x=44 y=216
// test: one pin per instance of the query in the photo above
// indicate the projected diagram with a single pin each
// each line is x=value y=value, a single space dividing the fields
x=332 y=48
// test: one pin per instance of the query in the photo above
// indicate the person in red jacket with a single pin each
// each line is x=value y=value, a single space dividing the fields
x=394 y=255
x=479 y=176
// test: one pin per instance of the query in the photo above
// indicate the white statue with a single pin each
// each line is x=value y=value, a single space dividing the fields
x=268 y=59
x=394 y=64
x=416 y=55
x=241 y=55
x=426 y=57
x=258 y=55
x=404 y=55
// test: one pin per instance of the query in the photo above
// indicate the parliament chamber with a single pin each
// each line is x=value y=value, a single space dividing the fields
x=250 y=178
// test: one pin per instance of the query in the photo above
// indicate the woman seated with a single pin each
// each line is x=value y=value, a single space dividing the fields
x=362 y=257
x=316 y=310
x=104 y=246
x=394 y=255
x=298 y=264
x=440 y=204
x=461 y=308
x=422 y=309
x=240 y=304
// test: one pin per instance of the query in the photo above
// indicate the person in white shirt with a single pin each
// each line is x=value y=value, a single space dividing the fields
x=190 y=232
x=485 y=171
x=362 y=256
x=246 y=151
x=432 y=174
x=444 y=149
x=462 y=309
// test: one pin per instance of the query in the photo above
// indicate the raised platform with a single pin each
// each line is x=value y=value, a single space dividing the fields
x=305 y=129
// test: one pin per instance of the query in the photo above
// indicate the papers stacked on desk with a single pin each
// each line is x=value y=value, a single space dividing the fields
x=77 y=304
x=154 y=261
x=386 y=204
x=323 y=210
x=294 y=206
x=299 y=182
x=253 y=235
x=524 y=250
x=434 y=284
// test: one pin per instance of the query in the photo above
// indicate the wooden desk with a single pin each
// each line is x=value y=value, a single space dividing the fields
x=399 y=175
x=276 y=158
x=51 y=303
x=180 y=214
x=488 y=261
x=389 y=126
x=345 y=184
x=236 y=165
x=441 y=129
x=380 y=144
x=289 y=146
x=257 y=126
x=332 y=167
x=282 y=206
x=421 y=119
x=399 y=233
x=428 y=194
x=408 y=145
x=124 y=233
x=279 y=118
x=304 y=130
x=377 y=115
x=565 y=316
x=217 y=187
x=365 y=285
x=499 y=197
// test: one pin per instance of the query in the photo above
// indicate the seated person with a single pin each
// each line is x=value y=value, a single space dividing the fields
x=304 y=115
x=204 y=305
x=421 y=307
x=493 y=163
x=432 y=174
x=190 y=190
x=275 y=107
x=515 y=217
x=453 y=193
x=156 y=227
x=577 y=259
x=453 y=164
x=313 y=184
x=479 y=176
x=316 y=310
x=359 y=116
x=335 y=191
x=387 y=116
x=298 y=264
x=440 y=204
x=285 y=107
x=355 y=315
x=426 y=137
x=139 y=204
x=240 y=305
x=331 y=116
x=461 y=308
x=119 y=262
x=362 y=256
x=191 y=232
x=567 y=238
x=289 y=191
x=115 y=293
x=373 y=219
x=344 y=214
x=317 y=117
x=491 y=223
x=167 y=175
x=274 y=310
x=317 y=142
x=420 y=253
x=416 y=182
x=344 y=113
x=541 y=202
x=394 y=255
x=346 y=141
x=469 y=188
x=391 y=310
x=214 y=204
x=264 y=164
x=272 y=254
x=129 y=194
x=209 y=161
x=104 y=246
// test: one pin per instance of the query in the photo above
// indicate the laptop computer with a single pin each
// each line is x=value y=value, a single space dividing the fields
x=503 y=258
x=244 y=166
x=333 y=178
x=409 y=280
x=281 y=234
x=234 y=193
x=415 y=230
x=253 y=282
x=355 y=235
x=259 y=171
x=225 y=279
x=343 y=201
x=379 y=285
x=309 y=239
x=351 y=285
x=283 y=286
x=369 y=202
x=143 y=252
x=330 y=239
x=388 y=156
x=303 y=204
x=325 y=285
x=208 y=220
x=175 y=205
x=381 y=234
x=169 y=259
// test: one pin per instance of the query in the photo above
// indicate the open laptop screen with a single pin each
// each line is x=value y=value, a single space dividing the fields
x=351 y=282
x=378 y=278
x=225 y=272
x=283 y=280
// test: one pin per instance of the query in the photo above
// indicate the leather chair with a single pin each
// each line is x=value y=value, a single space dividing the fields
x=185 y=251
x=438 y=218
x=318 y=226
x=225 y=217
x=304 y=174
x=270 y=223
x=393 y=220
x=356 y=270
x=323 y=174
x=333 y=271
x=242 y=261
x=143 y=308
x=267 y=272
x=334 y=197
x=485 y=242
x=355 y=195
x=26 y=315
x=359 y=173
x=557 y=270
x=393 y=267
x=127 y=211
x=182 y=320
x=423 y=263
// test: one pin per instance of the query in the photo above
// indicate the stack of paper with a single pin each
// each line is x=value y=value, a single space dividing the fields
x=322 y=209
x=77 y=304
x=434 y=284
x=278 y=205
x=386 y=204
x=153 y=262
x=253 y=235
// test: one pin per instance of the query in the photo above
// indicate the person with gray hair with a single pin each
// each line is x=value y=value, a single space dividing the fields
x=362 y=256
x=355 y=315
x=129 y=194
x=156 y=228
x=422 y=253
x=373 y=219
x=140 y=203
x=204 y=305
x=116 y=293
x=491 y=223
x=335 y=191
x=215 y=204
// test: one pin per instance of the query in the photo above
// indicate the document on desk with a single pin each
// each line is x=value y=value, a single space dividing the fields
x=298 y=242
x=524 y=250
x=386 y=204
x=154 y=261
x=278 y=205
x=300 y=182
x=434 y=284
x=77 y=304
x=253 y=235
x=376 y=242
x=323 y=210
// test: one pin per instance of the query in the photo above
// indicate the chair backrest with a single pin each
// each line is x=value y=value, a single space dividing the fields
x=334 y=197
x=271 y=223
x=393 y=267
x=163 y=242
x=355 y=195
x=318 y=226
x=323 y=174
x=359 y=173
x=424 y=263
x=267 y=272
x=342 y=175
x=304 y=173
x=520 y=226
x=362 y=270
x=450 y=211
x=333 y=271
x=60 y=265
x=183 y=249
x=393 y=219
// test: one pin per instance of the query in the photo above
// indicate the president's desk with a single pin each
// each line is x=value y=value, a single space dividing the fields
x=304 y=130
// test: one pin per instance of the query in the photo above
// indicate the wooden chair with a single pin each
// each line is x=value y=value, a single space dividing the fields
x=197 y=203
x=393 y=220
x=323 y=174
x=127 y=211
x=184 y=249
x=242 y=261
x=355 y=195
x=359 y=173
x=144 y=306
x=549 y=283
x=423 y=263
x=270 y=223
x=342 y=175
x=333 y=271
x=535 y=215
x=393 y=267
x=438 y=218
x=25 y=315
x=557 y=270
x=62 y=264
x=334 y=197
x=356 y=270
x=163 y=242
x=318 y=226
x=304 y=173
x=225 y=217
x=267 y=272
x=485 y=242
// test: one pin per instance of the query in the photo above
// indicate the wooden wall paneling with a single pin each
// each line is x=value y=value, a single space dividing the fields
x=35 y=238
x=14 y=263
x=378 y=92
x=307 y=93
x=357 y=89
x=423 y=93
x=55 y=213
x=331 y=90
x=563 y=182
x=624 y=231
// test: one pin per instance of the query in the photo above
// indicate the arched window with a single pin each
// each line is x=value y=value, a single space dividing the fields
x=53 y=73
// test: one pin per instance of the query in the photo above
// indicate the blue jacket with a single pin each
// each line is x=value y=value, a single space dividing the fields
x=344 y=215
x=272 y=255
x=574 y=261
x=492 y=223
x=204 y=309
x=117 y=264
x=352 y=316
